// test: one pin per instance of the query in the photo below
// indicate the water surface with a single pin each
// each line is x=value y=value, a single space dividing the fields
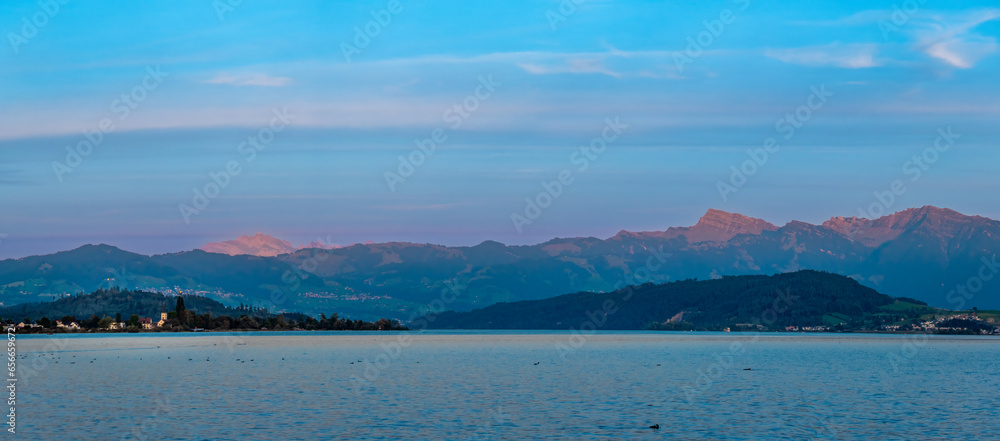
x=507 y=385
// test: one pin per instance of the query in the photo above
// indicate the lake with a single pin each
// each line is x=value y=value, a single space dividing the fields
x=507 y=385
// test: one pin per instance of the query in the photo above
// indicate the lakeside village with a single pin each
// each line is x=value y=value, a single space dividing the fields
x=184 y=320
x=968 y=323
x=972 y=322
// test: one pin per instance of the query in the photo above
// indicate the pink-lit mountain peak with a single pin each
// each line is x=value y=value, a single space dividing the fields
x=930 y=220
x=735 y=222
x=720 y=226
x=714 y=226
x=256 y=245
x=262 y=245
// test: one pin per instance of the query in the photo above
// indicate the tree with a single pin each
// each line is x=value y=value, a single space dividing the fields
x=223 y=322
x=118 y=317
x=200 y=321
x=45 y=322
x=133 y=320
x=247 y=322
x=105 y=322
x=207 y=318
x=181 y=311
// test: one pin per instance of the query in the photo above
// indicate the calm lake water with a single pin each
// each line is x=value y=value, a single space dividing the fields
x=507 y=385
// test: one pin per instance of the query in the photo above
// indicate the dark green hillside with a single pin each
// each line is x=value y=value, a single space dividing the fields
x=83 y=269
x=811 y=299
x=252 y=276
x=107 y=303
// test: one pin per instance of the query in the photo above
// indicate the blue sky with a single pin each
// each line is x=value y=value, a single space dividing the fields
x=691 y=110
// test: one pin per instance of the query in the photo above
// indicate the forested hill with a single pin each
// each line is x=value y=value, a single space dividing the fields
x=803 y=298
x=109 y=302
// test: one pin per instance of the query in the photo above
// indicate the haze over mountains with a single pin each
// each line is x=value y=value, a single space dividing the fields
x=922 y=253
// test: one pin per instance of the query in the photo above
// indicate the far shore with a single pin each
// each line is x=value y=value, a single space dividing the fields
x=301 y=330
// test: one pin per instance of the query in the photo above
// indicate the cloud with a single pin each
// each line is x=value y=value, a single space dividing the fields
x=250 y=80
x=849 y=56
x=575 y=66
x=417 y=207
x=13 y=177
x=944 y=36
x=961 y=54
x=857 y=19
x=612 y=62
x=950 y=38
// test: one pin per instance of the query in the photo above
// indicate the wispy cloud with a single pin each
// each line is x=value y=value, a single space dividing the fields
x=950 y=38
x=292 y=196
x=613 y=62
x=945 y=36
x=849 y=56
x=861 y=18
x=416 y=207
x=962 y=54
x=13 y=177
x=401 y=86
x=250 y=80
x=576 y=66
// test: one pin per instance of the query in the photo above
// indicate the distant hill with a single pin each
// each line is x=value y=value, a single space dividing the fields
x=802 y=298
x=107 y=303
x=921 y=253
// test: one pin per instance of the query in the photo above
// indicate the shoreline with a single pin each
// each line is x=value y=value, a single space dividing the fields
x=649 y=331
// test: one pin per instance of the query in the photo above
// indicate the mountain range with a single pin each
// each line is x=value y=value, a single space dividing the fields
x=923 y=253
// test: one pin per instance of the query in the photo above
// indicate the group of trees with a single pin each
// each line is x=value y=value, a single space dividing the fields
x=337 y=323
x=212 y=316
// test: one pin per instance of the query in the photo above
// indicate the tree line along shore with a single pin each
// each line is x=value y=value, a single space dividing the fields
x=116 y=310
